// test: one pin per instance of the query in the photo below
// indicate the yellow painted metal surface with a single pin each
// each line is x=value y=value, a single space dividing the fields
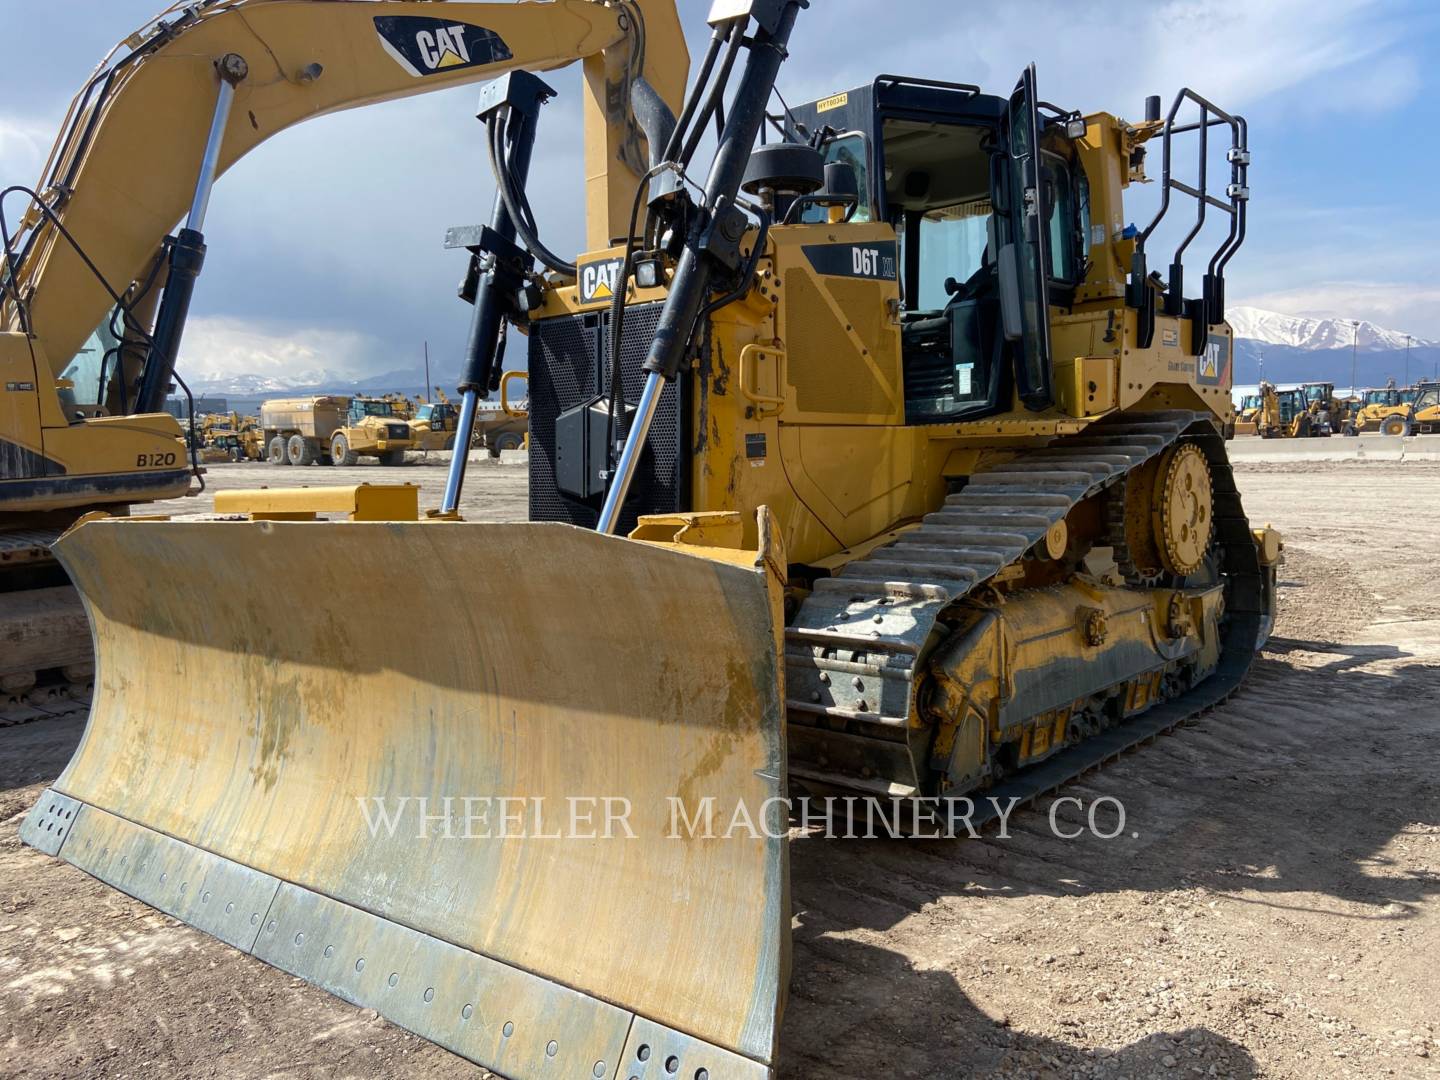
x=577 y=667
x=361 y=502
x=799 y=405
x=1269 y=544
x=1017 y=672
x=135 y=457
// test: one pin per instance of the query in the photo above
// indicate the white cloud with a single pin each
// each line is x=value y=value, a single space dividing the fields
x=1236 y=52
x=214 y=347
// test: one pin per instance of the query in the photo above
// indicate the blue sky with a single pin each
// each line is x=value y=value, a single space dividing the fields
x=325 y=244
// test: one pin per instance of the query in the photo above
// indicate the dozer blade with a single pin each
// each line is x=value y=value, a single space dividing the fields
x=271 y=697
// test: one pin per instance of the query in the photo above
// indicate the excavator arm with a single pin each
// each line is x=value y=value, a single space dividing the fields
x=125 y=166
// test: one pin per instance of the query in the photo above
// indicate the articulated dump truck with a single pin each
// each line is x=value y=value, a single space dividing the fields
x=870 y=466
x=334 y=430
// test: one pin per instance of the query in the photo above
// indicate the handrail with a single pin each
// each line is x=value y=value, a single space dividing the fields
x=1237 y=195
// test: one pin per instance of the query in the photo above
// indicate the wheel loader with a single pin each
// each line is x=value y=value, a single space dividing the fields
x=871 y=469
x=1375 y=405
x=1417 y=414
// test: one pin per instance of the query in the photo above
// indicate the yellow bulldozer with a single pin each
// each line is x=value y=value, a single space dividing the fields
x=869 y=465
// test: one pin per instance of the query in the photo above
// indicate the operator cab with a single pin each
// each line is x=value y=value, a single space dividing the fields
x=361 y=408
x=954 y=171
x=1292 y=404
x=1426 y=397
x=1386 y=396
x=438 y=413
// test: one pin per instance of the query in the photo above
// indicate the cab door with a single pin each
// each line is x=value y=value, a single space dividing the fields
x=1029 y=215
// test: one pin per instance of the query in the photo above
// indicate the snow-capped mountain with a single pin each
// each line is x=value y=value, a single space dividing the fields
x=319 y=380
x=1296 y=348
x=1300 y=332
x=246 y=385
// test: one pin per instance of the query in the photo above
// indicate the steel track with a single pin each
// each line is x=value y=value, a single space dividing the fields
x=53 y=696
x=854 y=650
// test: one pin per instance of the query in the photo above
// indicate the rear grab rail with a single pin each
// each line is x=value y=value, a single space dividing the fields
x=1210 y=309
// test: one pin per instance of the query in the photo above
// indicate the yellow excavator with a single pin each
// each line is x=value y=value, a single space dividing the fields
x=869 y=465
x=94 y=288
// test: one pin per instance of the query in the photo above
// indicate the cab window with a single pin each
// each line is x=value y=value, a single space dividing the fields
x=1061 y=195
x=938 y=187
x=853 y=151
x=952 y=242
x=93 y=368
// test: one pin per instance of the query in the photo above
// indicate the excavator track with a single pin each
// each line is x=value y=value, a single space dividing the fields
x=857 y=644
x=39 y=690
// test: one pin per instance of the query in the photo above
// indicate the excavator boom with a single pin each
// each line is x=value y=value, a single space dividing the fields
x=94 y=289
x=155 y=98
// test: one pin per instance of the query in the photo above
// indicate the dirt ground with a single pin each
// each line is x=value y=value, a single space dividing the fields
x=1269 y=910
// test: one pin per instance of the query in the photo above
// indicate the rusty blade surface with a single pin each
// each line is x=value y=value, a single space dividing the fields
x=301 y=699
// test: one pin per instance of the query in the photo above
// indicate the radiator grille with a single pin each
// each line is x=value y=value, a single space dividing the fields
x=566 y=370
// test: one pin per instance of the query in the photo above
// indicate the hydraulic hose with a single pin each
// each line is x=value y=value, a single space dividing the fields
x=516 y=204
